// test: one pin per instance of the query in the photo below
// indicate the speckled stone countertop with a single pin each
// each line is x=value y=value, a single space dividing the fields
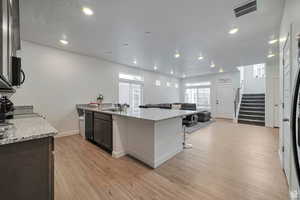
x=152 y=114
x=27 y=129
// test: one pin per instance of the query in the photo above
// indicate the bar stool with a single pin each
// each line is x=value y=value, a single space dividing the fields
x=185 y=145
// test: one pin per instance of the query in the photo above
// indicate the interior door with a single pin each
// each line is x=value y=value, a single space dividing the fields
x=286 y=108
x=224 y=101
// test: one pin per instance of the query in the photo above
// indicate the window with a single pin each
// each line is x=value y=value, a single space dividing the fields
x=197 y=84
x=199 y=96
x=157 y=83
x=130 y=77
x=259 y=71
x=130 y=93
x=131 y=90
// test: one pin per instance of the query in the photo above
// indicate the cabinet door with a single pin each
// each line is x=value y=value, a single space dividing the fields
x=103 y=133
x=27 y=170
x=89 y=125
x=97 y=131
x=107 y=134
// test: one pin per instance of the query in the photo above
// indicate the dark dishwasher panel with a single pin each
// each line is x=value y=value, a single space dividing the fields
x=89 y=126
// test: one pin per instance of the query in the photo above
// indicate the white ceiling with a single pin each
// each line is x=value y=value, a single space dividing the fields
x=189 y=26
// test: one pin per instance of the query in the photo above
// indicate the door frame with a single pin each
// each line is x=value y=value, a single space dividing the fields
x=285 y=150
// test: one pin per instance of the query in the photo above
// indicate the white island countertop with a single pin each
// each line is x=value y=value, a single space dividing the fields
x=152 y=114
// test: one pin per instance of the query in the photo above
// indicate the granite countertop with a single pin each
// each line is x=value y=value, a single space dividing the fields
x=25 y=129
x=153 y=114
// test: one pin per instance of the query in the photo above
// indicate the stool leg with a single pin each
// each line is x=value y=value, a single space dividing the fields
x=185 y=145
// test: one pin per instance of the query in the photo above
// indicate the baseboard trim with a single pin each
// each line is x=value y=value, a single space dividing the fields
x=67 y=133
x=119 y=154
x=294 y=195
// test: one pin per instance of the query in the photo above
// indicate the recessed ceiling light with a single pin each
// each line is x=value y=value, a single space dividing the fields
x=183 y=76
x=200 y=58
x=273 y=41
x=87 y=11
x=135 y=62
x=64 y=42
x=172 y=72
x=176 y=55
x=155 y=67
x=212 y=65
x=271 y=55
x=221 y=70
x=233 y=31
x=283 y=39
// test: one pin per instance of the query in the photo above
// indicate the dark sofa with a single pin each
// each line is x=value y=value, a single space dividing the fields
x=188 y=120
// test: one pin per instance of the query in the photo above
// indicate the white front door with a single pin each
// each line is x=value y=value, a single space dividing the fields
x=286 y=108
x=225 y=101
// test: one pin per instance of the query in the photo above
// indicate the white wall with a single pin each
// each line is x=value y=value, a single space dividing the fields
x=291 y=16
x=213 y=78
x=57 y=80
x=253 y=85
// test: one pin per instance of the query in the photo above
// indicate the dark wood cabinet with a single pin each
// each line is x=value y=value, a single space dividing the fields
x=27 y=170
x=103 y=131
x=89 y=126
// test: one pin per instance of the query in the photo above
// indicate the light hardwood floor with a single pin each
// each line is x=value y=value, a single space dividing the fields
x=228 y=161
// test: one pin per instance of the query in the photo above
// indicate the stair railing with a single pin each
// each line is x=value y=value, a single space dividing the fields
x=238 y=100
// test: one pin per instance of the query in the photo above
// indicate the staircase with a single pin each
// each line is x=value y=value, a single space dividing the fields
x=252 y=109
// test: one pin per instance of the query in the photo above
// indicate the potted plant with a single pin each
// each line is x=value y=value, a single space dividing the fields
x=100 y=98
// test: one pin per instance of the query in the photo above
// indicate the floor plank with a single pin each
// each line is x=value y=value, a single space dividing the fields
x=228 y=162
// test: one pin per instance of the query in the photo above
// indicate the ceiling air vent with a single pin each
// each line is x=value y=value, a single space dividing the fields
x=245 y=8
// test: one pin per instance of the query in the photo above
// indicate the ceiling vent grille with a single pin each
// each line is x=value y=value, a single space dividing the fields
x=245 y=8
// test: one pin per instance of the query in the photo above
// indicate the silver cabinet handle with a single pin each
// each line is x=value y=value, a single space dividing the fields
x=286 y=120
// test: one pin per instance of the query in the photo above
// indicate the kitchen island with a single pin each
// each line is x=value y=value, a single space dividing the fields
x=151 y=135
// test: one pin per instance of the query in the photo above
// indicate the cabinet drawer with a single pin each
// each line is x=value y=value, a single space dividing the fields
x=103 y=116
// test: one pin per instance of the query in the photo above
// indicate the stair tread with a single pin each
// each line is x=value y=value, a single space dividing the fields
x=252 y=123
x=251 y=108
x=251 y=120
x=254 y=103
x=252 y=111
x=244 y=115
x=263 y=94
x=251 y=98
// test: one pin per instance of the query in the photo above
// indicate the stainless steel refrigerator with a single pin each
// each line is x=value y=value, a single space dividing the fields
x=9 y=40
x=295 y=122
